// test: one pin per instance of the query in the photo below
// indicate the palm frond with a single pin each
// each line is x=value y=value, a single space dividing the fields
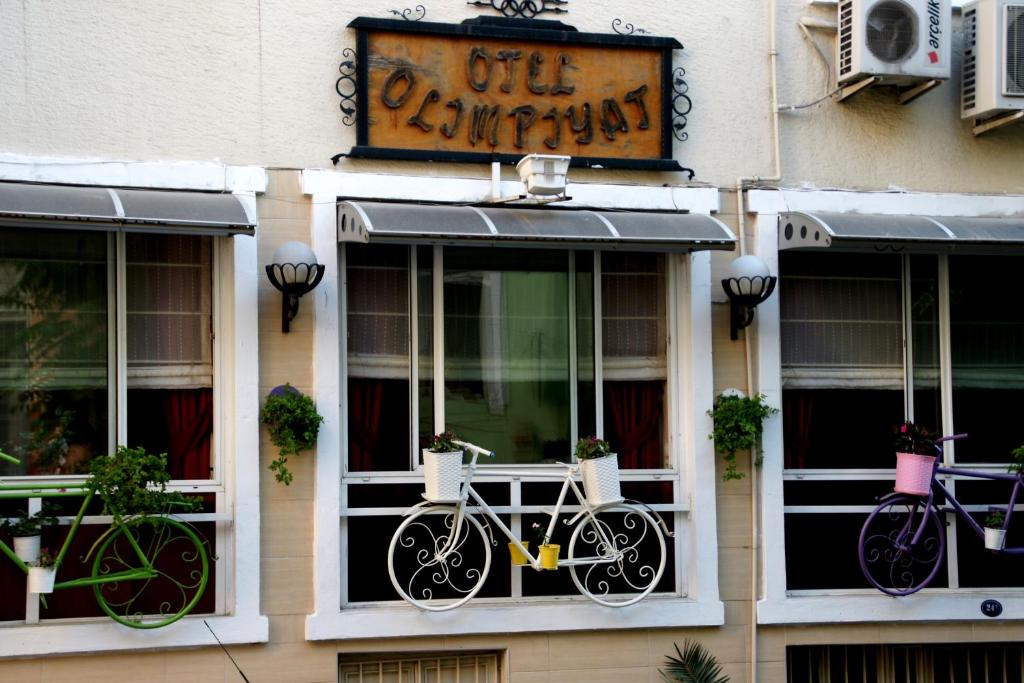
x=695 y=664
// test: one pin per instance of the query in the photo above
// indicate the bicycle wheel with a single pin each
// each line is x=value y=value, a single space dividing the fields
x=890 y=557
x=427 y=575
x=161 y=594
x=627 y=550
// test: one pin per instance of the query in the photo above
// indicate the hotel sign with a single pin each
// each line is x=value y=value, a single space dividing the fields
x=496 y=91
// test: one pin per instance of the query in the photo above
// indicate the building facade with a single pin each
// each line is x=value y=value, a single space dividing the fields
x=214 y=136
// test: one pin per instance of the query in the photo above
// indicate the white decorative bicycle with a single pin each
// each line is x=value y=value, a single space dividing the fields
x=441 y=553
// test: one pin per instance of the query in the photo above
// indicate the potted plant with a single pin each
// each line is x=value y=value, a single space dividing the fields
x=42 y=572
x=134 y=482
x=995 y=533
x=738 y=425
x=600 y=470
x=915 y=458
x=442 y=467
x=518 y=558
x=547 y=553
x=27 y=531
x=294 y=424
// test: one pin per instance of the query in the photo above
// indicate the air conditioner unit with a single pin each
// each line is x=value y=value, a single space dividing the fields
x=900 y=42
x=993 y=79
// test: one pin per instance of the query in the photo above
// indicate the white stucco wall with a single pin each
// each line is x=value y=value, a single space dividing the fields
x=252 y=82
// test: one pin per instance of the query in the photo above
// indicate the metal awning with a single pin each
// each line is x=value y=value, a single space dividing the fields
x=101 y=208
x=637 y=230
x=876 y=232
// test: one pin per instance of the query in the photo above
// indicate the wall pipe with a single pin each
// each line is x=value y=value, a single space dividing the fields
x=741 y=185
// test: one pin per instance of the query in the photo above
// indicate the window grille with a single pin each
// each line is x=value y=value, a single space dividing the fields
x=424 y=668
x=977 y=663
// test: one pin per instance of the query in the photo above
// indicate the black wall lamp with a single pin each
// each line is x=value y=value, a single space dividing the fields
x=294 y=272
x=749 y=284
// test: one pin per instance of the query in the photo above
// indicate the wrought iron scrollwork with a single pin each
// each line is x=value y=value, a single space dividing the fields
x=411 y=14
x=627 y=29
x=681 y=104
x=346 y=86
x=525 y=9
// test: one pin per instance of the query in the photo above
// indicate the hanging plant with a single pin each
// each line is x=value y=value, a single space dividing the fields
x=294 y=425
x=739 y=422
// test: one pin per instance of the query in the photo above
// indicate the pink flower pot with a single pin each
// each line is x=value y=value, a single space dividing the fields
x=914 y=473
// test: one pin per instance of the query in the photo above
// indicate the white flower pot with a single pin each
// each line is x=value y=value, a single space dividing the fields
x=27 y=548
x=40 y=579
x=442 y=474
x=601 y=479
x=995 y=538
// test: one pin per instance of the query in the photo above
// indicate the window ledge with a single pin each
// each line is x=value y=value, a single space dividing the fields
x=924 y=606
x=405 y=620
x=106 y=635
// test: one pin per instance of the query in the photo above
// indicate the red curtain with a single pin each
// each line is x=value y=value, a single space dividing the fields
x=633 y=423
x=189 y=415
x=366 y=397
x=797 y=415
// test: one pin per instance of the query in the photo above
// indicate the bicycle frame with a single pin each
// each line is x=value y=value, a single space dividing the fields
x=977 y=528
x=39 y=490
x=568 y=483
x=979 y=531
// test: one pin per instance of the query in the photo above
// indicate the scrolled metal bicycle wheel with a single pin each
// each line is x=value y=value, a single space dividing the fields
x=892 y=561
x=164 y=592
x=628 y=553
x=428 y=575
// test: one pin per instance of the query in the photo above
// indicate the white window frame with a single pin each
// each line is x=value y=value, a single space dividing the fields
x=236 y=372
x=689 y=428
x=777 y=605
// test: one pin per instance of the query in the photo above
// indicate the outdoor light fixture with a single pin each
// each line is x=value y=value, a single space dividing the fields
x=543 y=174
x=294 y=272
x=749 y=283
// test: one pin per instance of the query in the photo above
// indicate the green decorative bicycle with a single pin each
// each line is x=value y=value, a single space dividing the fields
x=148 y=570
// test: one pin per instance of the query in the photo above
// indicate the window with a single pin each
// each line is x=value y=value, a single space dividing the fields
x=63 y=350
x=501 y=346
x=870 y=340
x=982 y=662
x=518 y=356
x=105 y=339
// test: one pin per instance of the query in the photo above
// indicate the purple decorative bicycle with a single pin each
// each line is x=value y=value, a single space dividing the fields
x=903 y=540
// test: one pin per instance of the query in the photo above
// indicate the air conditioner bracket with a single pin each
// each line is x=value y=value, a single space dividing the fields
x=908 y=95
x=851 y=89
x=982 y=126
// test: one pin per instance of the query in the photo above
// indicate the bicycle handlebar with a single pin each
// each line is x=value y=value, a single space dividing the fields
x=9 y=458
x=472 y=448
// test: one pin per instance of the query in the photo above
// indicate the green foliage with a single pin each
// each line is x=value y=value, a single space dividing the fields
x=1017 y=466
x=294 y=425
x=30 y=525
x=695 y=664
x=913 y=438
x=739 y=422
x=134 y=482
x=591 y=447
x=444 y=443
x=995 y=520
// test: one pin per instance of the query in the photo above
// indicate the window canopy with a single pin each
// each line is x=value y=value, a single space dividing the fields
x=69 y=206
x=365 y=221
x=876 y=232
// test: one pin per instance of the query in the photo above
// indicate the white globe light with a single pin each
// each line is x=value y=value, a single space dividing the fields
x=294 y=253
x=749 y=266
